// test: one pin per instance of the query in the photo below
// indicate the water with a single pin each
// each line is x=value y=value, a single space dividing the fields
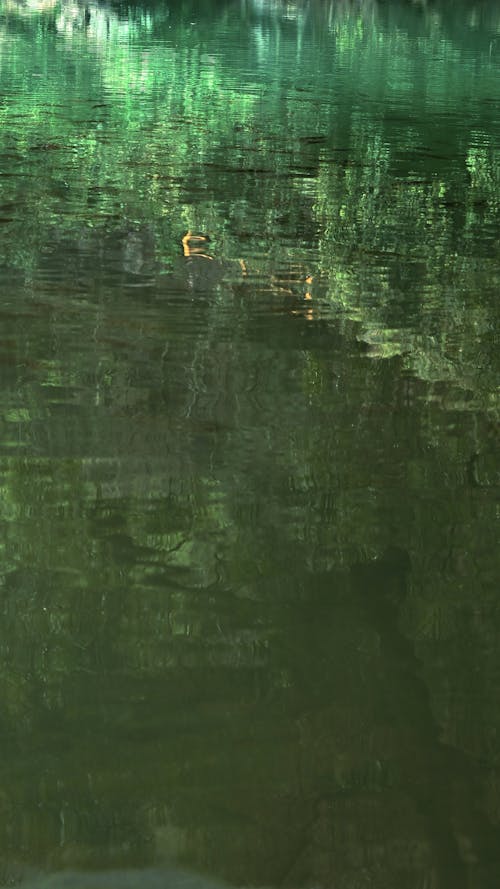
x=249 y=269
x=131 y=878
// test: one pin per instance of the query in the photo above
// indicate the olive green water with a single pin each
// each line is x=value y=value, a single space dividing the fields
x=249 y=512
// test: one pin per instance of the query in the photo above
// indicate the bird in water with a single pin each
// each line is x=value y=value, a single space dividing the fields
x=204 y=272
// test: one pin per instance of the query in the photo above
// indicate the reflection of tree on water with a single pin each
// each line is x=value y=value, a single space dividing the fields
x=149 y=669
x=400 y=801
x=441 y=781
x=121 y=879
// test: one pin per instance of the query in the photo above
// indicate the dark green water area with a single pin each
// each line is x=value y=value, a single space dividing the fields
x=249 y=441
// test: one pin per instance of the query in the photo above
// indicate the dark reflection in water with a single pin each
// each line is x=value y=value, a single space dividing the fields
x=249 y=268
x=165 y=878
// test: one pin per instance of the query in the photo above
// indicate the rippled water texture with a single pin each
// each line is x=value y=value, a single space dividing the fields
x=249 y=403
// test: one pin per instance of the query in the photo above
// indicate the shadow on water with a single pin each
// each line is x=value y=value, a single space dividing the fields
x=441 y=780
x=416 y=796
x=167 y=878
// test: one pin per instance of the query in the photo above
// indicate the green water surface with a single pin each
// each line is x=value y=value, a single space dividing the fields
x=249 y=440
